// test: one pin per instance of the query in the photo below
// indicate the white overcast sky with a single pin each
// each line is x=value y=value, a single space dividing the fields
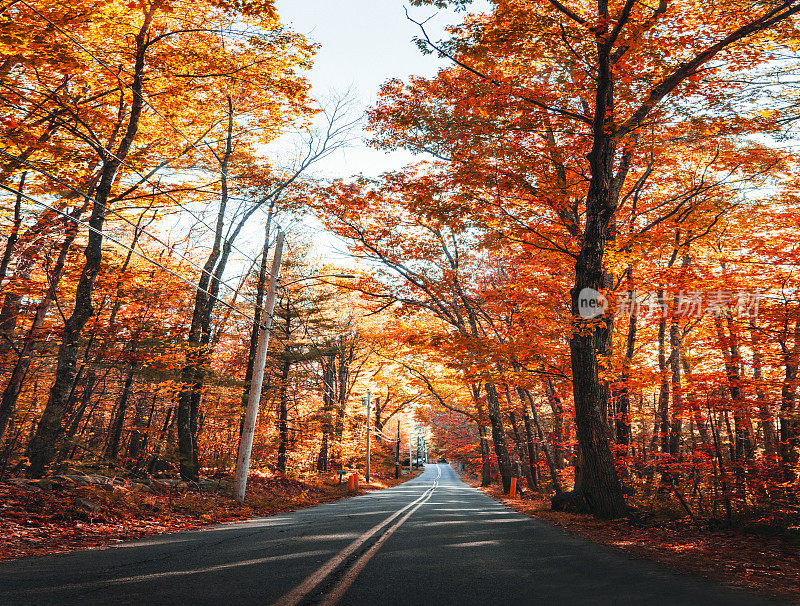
x=363 y=44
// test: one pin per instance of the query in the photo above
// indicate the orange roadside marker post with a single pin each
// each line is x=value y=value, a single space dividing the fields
x=357 y=480
x=513 y=490
x=351 y=483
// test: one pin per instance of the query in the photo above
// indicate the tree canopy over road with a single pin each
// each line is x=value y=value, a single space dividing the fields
x=587 y=282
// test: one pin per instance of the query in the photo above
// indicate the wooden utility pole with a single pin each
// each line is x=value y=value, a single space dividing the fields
x=369 y=430
x=254 y=397
x=410 y=452
x=397 y=453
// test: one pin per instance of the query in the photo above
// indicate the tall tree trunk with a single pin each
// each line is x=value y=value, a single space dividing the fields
x=498 y=435
x=598 y=489
x=622 y=419
x=765 y=416
x=346 y=352
x=328 y=398
x=663 y=391
x=283 y=417
x=789 y=425
x=524 y=394
x=533 y=453
x=558 y=424
x=43 y=446
x=730 y=353
x=486 y=464
x=676 y=422
x=20 y=370
x=197 y=350
x=118 y=421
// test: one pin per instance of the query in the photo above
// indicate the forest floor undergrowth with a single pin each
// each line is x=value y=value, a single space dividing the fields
x=60 y=514
x=767 y=565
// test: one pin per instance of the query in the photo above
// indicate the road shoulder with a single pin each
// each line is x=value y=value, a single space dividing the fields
x=63 y=517
x=763 y=565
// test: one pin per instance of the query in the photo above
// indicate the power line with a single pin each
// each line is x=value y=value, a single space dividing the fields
x=156 y=186
x=159 y=114
x=273 y=331
x=113 y=73
x=384 y=437
x=105 y=236
x=764 y=263
x=114 y=212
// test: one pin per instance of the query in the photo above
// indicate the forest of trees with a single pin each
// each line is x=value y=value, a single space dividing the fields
x=588 y=281
x=139 y=209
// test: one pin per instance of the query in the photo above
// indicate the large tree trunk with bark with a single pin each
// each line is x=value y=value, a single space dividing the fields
x=498 y=435
x=43 y=446
x=598 y=489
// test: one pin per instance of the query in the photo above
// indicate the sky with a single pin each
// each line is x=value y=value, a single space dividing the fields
x=363 y=44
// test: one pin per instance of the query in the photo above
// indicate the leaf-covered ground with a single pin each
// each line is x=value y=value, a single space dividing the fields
x=35 y=521
x=761 y=564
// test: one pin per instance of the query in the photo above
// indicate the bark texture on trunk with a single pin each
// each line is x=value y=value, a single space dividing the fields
x=20 y=369
x=43 y=446
x=115 y=429
x=597 y=489
x=328 y=399
x=498 y=435
x=283 y=417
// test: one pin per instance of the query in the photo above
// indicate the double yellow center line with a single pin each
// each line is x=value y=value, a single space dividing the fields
x=293 y=597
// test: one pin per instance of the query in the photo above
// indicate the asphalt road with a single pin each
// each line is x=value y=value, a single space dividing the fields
x=433 y=540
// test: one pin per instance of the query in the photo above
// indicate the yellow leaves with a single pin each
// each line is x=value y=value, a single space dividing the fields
x=248 y=7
